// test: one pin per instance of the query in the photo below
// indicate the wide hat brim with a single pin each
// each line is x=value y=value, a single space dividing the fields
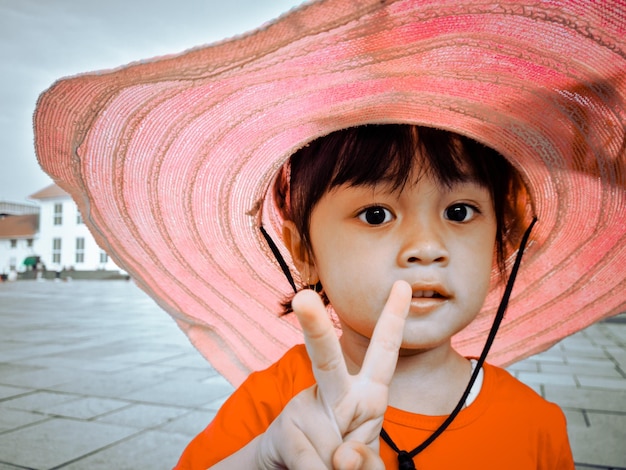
x=170 y=160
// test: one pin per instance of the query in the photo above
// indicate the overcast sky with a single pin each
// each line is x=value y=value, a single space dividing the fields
x=43 y=40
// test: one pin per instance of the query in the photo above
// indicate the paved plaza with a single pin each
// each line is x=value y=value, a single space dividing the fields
x=93 y=375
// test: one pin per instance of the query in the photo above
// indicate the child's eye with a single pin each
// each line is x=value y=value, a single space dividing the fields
x=461 y=212
x=375 y=215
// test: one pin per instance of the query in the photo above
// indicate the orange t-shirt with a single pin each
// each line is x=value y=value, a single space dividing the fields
x=508 y=426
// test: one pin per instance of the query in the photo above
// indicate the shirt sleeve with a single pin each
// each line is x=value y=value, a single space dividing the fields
x=555 y=447
x=249 y=411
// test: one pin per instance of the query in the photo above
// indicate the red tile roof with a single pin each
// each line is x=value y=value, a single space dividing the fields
x=48 y=192
x=19 y=226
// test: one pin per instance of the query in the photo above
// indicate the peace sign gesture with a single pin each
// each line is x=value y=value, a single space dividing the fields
x=336 y=423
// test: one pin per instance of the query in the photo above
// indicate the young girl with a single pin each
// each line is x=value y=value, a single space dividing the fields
x=348 y=131
x=399 y=228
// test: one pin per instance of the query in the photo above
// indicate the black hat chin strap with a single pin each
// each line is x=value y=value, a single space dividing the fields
x=279 y=257
x=405 y=458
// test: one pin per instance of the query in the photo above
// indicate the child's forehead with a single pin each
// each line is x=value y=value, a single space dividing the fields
x=389 y=186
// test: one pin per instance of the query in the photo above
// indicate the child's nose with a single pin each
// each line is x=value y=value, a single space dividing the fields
x=423 y=245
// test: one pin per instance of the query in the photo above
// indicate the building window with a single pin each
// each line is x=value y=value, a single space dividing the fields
x=56 y=250
x=13 y=243
x=80 y=250
x=29 y=243
x=104 y=258
x=58 y=214
x=79 y=218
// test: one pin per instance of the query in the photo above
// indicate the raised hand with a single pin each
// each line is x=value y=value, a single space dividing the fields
x=336 y=423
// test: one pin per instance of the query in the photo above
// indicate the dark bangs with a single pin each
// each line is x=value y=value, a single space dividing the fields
x=372 y=154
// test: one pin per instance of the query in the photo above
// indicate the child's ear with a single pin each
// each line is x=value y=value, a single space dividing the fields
x=299 y=253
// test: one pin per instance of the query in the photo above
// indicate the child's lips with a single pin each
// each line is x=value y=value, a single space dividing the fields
x=429 y=291
x=428 y=297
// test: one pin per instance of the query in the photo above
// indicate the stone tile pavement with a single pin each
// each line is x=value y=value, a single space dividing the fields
x=586 y=375
x=93 y=375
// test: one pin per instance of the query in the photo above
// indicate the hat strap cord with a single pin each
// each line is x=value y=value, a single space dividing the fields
x=405 y=458
x=279 y=257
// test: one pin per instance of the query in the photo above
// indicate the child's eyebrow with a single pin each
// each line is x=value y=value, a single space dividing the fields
x=468 y=179
x=465 y=176
x=464 y=184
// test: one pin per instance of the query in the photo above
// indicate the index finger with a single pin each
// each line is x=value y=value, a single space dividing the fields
x=382 y=354
x=322 y=343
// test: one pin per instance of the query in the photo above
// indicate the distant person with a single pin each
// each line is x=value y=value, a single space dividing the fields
x=40 y=269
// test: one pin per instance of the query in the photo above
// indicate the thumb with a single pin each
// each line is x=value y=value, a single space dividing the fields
x=353 y=454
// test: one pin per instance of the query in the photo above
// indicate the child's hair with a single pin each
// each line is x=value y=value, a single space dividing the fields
x=369 y=154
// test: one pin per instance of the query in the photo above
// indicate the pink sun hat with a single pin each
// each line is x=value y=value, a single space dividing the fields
x=170 y=160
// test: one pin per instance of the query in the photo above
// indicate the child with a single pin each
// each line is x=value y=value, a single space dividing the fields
x=399 y=220
x=351 y=130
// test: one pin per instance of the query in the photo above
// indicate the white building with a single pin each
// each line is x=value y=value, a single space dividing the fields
x=18 y=231
x=64 y=242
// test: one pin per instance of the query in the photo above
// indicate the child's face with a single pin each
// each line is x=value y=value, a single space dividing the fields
x=439 y=240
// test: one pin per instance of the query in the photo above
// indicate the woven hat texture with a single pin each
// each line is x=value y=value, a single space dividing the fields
x=170 y=159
